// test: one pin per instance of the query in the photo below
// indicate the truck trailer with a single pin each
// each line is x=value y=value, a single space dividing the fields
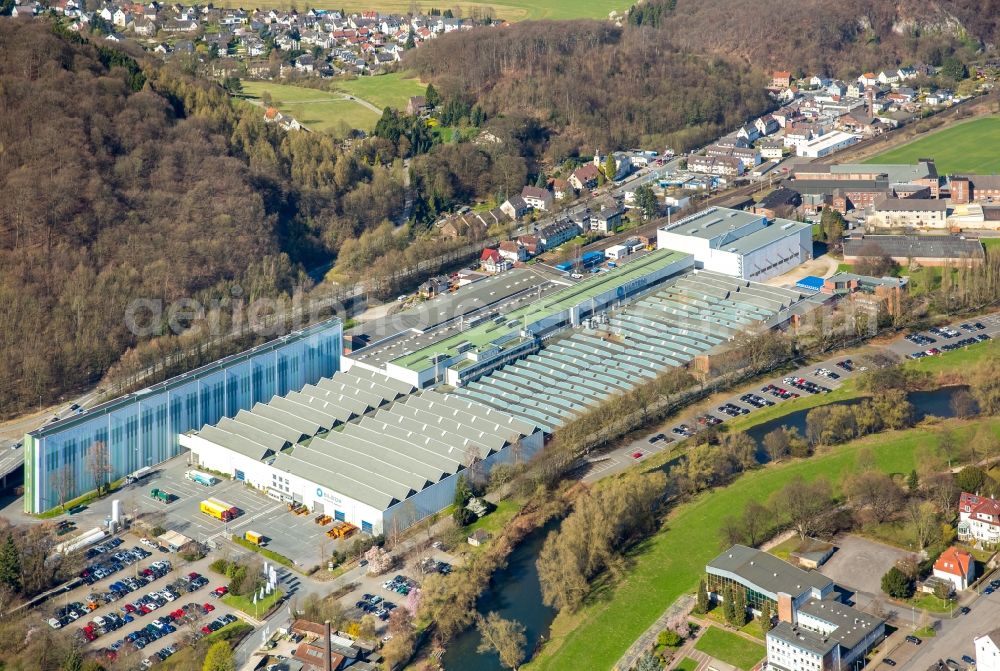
x=203 y=479
x=161 y=496
x=254 y=537
x=219 y=509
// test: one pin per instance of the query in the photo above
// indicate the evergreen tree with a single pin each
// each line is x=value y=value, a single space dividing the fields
x=913 y=482
x=410 y=42
x=610 y=167
x=540 y=181
x=462 y=491
x=477 y=116
x=765 y=616
x=10 y=564
x=431 y=96
x=728 y=607
x=739 y=607
x=702 y=606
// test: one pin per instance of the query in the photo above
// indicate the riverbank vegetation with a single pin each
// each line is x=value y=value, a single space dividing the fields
x=891 y=485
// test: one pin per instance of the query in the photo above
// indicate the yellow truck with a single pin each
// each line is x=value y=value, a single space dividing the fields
x=219 y=509
x=255 y=538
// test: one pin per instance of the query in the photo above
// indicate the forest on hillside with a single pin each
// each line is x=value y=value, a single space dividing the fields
x=680 y=71
x=124 y=178
x=593 y=85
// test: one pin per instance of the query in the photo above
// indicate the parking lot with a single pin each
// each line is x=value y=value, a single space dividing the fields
x=104 y=617
x=859 y=565
x=828 y=374
x=295 y=536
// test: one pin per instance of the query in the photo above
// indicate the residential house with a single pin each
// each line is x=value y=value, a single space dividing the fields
x=584 y=177
x=799 y=134
x=817 y=82
x=531 y=244
x=856 y=90
x=180 y=26
x=515 y=207
x=868 y=79
x=121 y=18
x=979 y=519
x=748 y=132
x=772 y=149
x=766 y=125
x=513 y=251
x=905 y=74
x=144 y=27
x=606 y=219
x=781 y=79
x=305 y=63
x=727 y=166
x=561 y=188
x=889 y=77
x=732 y=142
x=939 y=97
x=988 y=651
x=837 y=88
x=956 y=567
x=434 y=286
x=496 y=263
x=537 y=198
x=560 y=232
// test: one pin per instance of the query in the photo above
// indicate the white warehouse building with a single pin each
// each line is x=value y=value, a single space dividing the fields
x=739 y=243
x=363 y=448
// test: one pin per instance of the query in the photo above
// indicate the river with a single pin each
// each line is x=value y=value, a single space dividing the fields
x=516 y=594
x=936 y=402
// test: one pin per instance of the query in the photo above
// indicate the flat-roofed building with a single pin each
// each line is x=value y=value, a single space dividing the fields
x=739 y=243
x=815 y=630
x=925 y=250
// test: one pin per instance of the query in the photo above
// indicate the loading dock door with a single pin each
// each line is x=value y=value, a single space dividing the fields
x=318 y=507
x=339 y=516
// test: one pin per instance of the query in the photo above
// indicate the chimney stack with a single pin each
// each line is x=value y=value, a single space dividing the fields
x=328 y=646
x=871 y=102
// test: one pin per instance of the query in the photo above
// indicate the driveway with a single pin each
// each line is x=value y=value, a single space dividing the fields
x=859 y=564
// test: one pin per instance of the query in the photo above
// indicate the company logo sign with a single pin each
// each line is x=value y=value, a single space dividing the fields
x=328 y=496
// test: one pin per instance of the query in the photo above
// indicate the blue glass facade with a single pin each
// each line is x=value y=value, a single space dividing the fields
x=141 y=429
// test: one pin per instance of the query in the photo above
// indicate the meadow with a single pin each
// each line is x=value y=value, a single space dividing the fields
x=320 y=111
x=968 y=147
x=332 y=111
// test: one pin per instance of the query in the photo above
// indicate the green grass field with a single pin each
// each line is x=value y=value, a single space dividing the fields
x=686 y=664
x=669 y=564
x=965 y=147
x=321 y=111
x=246 y=604
x=511 y=10
x=730 y=648
x=389 y=90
